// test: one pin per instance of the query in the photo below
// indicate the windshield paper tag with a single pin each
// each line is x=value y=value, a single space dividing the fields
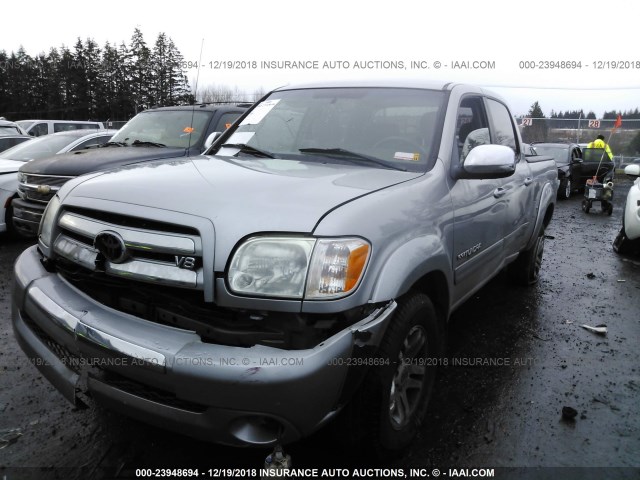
x=412 y=157
x=241 y=137
x=260 y=112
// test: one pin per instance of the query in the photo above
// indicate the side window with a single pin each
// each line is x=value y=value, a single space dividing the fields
x=92 y=142
x=65 y=127
x=86 y=126
x=503 y=133
x=39 y=129
x=225 y=121
x=471 y=126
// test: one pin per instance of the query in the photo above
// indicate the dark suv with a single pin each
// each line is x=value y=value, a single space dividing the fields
x=154 y=134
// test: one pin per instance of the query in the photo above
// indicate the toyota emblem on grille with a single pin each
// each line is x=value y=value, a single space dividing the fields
x=111 y=246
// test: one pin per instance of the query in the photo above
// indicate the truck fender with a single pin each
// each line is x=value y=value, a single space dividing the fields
x=546 y=198
x=408 y=264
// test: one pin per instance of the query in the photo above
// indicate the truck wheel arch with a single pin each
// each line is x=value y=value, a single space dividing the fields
x=401 y=274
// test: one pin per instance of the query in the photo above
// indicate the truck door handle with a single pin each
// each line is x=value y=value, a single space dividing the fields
x=528 y=181
x=498 y=192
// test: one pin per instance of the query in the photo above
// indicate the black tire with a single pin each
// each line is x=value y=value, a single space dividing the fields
x=586 y=206
x=525 y=270
x=564 y=192
x=623 y=245
x=387 y=411
x=8 y=219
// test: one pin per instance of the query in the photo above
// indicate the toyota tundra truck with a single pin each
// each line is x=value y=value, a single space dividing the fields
x=304 y=268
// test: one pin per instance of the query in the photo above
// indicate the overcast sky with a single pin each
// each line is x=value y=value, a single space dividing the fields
x=399 y=32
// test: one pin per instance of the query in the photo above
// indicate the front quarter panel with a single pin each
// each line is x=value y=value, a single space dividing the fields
x=406 y=225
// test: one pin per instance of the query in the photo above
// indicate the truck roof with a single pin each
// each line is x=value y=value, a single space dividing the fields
x=389 y=83
x=203 y=106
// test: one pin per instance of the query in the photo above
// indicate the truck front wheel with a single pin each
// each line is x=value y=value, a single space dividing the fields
x=388 y=409
x=525 y=270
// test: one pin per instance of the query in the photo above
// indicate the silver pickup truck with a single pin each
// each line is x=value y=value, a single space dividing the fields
x=304 y=268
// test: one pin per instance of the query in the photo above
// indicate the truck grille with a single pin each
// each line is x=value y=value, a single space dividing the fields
x=131 y=248
x=41 y=188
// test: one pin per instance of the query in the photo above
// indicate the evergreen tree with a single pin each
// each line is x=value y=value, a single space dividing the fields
x=539 y=130
x=140 y=72
x=5 y=94
x=178 y=85
x=92 y=67
x=161 y=71
x=67 y=88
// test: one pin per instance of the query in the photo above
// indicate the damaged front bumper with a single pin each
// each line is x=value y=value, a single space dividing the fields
x=167 y=376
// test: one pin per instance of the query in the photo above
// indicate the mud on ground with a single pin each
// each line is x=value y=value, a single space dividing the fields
x=515 y=358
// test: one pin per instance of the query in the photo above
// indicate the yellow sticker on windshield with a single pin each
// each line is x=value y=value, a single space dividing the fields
x=411 y=157
x=188 y=129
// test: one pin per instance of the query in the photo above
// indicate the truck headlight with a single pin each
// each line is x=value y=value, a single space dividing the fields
x=271 y=266
x=336 y=268
x=48 y=221
x=282 y=266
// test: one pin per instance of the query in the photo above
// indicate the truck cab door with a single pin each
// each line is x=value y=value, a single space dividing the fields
x=517 y=190
x=478 y=206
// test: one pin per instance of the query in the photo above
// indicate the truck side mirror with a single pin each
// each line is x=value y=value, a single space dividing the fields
x=210 y=139
x=488 y=161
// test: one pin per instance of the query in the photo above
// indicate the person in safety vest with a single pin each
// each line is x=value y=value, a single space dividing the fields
x=600 y=143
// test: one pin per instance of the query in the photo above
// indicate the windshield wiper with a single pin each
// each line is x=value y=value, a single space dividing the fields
x=152 y=144
x=244 y=148
x=114 y=144
x=341 y=152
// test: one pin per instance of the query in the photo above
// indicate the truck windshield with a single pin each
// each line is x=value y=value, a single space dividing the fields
x=381 y=127
x=178 y=129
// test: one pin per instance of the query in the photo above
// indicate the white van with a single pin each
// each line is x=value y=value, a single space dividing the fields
x=36 y=128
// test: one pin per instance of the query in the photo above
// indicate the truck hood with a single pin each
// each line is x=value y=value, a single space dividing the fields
x=241 y=195
x=10 y=166
x=84 y=161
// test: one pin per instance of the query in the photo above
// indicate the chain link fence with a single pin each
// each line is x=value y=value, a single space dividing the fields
x=624 y=141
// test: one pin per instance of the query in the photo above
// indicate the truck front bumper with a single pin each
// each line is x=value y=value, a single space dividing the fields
x=169 y=377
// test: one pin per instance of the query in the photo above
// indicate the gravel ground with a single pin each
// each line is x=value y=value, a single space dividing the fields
x=516 y=357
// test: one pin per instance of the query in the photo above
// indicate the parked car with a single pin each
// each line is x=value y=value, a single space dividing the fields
x=10 y=128
x=8 y=141
x=568 y=157
x=154 y=134
x=628 y=238
x=37 y=148
x=304 y=268
x=37 y=128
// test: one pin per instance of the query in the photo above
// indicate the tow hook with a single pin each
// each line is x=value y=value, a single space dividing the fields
x=278 y=461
